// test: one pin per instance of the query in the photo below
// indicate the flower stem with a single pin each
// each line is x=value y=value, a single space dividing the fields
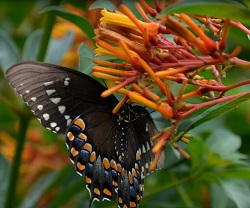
x=11 y=191
x=46 y=33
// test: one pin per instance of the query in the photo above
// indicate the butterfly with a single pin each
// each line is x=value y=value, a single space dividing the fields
x=113 y=151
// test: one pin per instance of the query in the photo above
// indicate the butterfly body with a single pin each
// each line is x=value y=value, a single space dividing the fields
x=112 y=151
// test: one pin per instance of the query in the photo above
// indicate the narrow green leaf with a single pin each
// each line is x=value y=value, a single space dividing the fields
x=9 y=53
x=58 y=47
x=31 y=45
x=221 y=9
x=100 y=4
x=86 y=57
x=37 y=190
x=212 y=113
x=81 y=22
x=4 y=178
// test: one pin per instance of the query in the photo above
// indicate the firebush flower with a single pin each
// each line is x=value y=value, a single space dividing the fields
x=150 y=63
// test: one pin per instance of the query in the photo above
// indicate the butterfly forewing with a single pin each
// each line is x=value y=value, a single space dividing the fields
x=56 y=94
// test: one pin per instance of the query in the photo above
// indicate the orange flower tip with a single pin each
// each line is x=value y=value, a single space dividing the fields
x=154 y=164
x=157 y=136
x=159 y=145
x=107 y=92
x=165 y=110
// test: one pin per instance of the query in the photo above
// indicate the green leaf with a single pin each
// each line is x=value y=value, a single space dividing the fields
x=223 y=145
x=56 y=49
x=223 y=142
x=237 y=173
x=38 y=190
x=79 y=21
x=100 y=4
x=4 y=178
x=218 y=196
x=197 y=151
x=69 y=192
x=9 y=53
x=32 y=45
x=214 y=8
x=237 y=191
x=86 y=57
x=212 y=113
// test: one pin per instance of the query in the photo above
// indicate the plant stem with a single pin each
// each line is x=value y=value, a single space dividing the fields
x=46 y=33
x=183 y=194
x=11 y=191
x=168 y=186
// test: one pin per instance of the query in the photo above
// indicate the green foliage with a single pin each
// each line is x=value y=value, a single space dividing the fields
x=220 y=9
x=81 y=22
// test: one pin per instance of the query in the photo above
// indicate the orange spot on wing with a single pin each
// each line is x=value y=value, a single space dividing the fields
x=74 y=152
x=106 y=163
x=88 y=180
x=70 y=136
x=82 y=136
x=80 y=166
x=88 y=147
x=97 y=191
x=79 y=122
x=113 y=165
x=107 y=192
x=92 y=157
x=132 y=204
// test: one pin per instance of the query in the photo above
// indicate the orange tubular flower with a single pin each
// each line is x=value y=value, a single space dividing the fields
x=150 y=63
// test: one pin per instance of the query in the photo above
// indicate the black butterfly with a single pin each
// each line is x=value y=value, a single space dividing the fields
x=113 y=151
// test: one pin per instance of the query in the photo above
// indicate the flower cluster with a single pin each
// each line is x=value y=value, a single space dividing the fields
x=155 y=55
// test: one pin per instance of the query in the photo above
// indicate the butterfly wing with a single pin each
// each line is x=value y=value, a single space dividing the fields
x=67 y=101
x=90 y=140
x=145 y=129
x=140 y=157
x=56 y=94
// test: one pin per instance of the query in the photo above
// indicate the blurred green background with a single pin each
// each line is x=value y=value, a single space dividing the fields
x=218 y=174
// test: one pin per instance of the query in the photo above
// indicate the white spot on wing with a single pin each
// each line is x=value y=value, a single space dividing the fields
x=55 y=100
x=66 y=117
x=50 y=92
x=62 y=109
x=46 y=116
x=148 y=147
x=143 y=149
x=33 y=98
x=53 y=124
x=40 y=107
x=48 y=83
x=27 y=91
x=66 y=81
x=57 y=128
x=69 y=122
